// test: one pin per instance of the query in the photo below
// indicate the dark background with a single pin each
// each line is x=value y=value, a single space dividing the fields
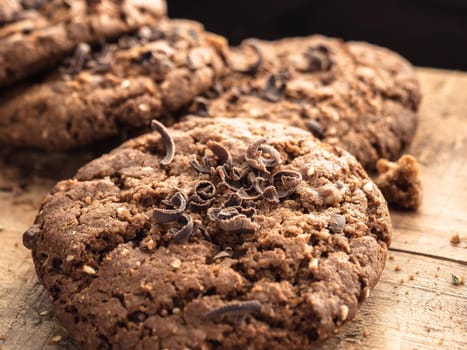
x=427 y=32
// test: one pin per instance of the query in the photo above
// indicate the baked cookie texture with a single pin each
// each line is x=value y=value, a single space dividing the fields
x=122 y=86
x=400 y=182
x=247 y=234
x=355 y=95
x=37 y=34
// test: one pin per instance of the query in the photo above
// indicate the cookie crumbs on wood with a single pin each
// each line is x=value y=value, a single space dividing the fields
x=400 y=182
x=455 y=239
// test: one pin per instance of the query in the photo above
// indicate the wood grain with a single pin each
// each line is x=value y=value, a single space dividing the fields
x=415 y=307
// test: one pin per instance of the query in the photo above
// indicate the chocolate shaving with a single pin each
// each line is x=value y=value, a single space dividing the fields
x=227 y=178
x=199 y=203
x=205 y=189
x=285 y=181
x=213 y=213
x=238 y=224
x=270 y=194
x=274 y=157
x=203 y=196
x=226 y=253
x=318 y=59
x=29 y=236
x=227 y=213
x=337 y=223
x=252 y=155
x=242 y=192
x=167 y=139
x=220 y=152
x=200 y=106
x=274 y=90
x=248 y=212
x=255 y=66
x=178 y=202
x=315 y=128
x=233 y=200
x=203 y=169
x=255 y=156
x=187 y=229
x=257 y=182
x=203 y=231
x=239 y=308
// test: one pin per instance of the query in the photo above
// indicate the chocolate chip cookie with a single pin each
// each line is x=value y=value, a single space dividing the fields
x=212 y=234
x=37 y=34
x=359 y=96
x=96 y=94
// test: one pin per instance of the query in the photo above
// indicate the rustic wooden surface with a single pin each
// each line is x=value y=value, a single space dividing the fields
x=414 y=306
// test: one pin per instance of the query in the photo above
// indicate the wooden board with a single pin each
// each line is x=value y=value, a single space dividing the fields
x=415 y=307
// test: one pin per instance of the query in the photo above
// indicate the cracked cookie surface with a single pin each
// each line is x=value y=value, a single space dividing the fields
x=355 y=95
x=37 y=34
x=97 y=94
x=213 y=234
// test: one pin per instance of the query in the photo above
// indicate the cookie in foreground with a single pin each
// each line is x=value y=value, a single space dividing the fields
x=359 y=96
x=226 y=233
x=99 y=94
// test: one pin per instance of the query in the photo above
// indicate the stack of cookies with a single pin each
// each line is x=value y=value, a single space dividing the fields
x=245 y=218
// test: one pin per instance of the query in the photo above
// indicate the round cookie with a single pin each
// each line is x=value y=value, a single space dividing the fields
x=37 y=34
x=225 y=233
x=99 y=94
x=355 y=95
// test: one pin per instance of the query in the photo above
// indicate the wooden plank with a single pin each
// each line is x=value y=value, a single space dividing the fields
x=441 y=147
x=427 y=312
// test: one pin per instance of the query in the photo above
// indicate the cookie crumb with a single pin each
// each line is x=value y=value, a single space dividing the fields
x=56 y=339
x=366 y=332
x=175 y=263
x=455 y=239
x=1 y=228
x=456 y=280
x=411 y=277
x=400 y=182
x=391 y=256
x=397 y=268
x=344 y=312
x=89 y=270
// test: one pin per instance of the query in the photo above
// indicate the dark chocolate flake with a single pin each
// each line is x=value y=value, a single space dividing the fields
x=187 y=229
x=315 y=128
x=252 y=154
x=177 y=202
x=238 y=224
x=226 y=253
x=253 y=67
x=205 y=189
x=270 y=194
x=199 y=203
x=285 y=181
x=203 y=169
x=233 y=200
x=167 y=139
x=319 y=59
x=337 y=223
x=274 y=90
x=243 y=194
x=238 y=308
x=273 y=156
x=220 y=152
